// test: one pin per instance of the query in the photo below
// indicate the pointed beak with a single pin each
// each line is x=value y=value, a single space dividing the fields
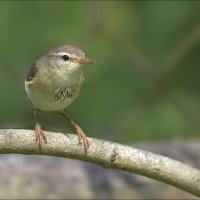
x=85 y=61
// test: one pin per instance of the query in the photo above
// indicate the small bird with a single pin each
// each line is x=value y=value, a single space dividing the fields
x=53 y=83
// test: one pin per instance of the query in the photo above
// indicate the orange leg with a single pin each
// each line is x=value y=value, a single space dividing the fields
x=81 y=135
x=38 y=129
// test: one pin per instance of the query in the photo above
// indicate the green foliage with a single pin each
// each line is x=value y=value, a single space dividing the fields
x=145 y=83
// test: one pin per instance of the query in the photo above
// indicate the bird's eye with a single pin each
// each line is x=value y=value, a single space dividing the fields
x=65 y=57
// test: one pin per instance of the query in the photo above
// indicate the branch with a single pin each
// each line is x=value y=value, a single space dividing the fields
x=104 y=153
x=180 y=50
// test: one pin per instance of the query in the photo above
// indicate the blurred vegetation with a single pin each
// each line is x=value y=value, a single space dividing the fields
x=145 y=83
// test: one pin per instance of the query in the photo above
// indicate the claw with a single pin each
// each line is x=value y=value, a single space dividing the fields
x=82 y=138
x=81 y=135
x=39 y=133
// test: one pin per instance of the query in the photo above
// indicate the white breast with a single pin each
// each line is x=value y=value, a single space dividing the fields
x=51 y=95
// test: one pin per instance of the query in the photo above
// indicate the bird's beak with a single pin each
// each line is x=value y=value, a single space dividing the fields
x=85 y=61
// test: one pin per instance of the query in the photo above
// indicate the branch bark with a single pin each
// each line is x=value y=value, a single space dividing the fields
x=106 y=154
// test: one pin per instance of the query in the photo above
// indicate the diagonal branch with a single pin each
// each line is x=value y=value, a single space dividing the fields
x=104 y=153
x=181 y=50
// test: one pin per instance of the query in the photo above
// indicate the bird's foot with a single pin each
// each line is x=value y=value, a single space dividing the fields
x=81 y=135
x=82 y=138
x=39 y=133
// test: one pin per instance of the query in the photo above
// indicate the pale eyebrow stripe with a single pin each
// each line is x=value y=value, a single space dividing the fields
x=64 y=53
x=59 y=54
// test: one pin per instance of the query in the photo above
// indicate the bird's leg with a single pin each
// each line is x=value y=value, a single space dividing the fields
x=38 y=129
x=81 y=135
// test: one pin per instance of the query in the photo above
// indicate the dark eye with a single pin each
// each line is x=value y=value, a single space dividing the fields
x=65 y=57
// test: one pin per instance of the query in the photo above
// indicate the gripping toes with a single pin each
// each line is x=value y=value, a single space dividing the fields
x=39 y=133
x=82 y=138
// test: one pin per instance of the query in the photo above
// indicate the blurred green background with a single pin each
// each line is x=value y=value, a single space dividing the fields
x=145 y=83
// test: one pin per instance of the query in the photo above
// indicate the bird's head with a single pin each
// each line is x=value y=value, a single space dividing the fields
x=67 y=57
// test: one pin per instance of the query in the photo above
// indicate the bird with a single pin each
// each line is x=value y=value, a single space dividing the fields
x=53 y=82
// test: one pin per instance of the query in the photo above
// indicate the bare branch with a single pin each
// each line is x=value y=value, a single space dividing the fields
x=106 y=154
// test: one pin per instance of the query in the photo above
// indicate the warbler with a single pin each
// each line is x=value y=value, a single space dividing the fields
x=53 y=83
